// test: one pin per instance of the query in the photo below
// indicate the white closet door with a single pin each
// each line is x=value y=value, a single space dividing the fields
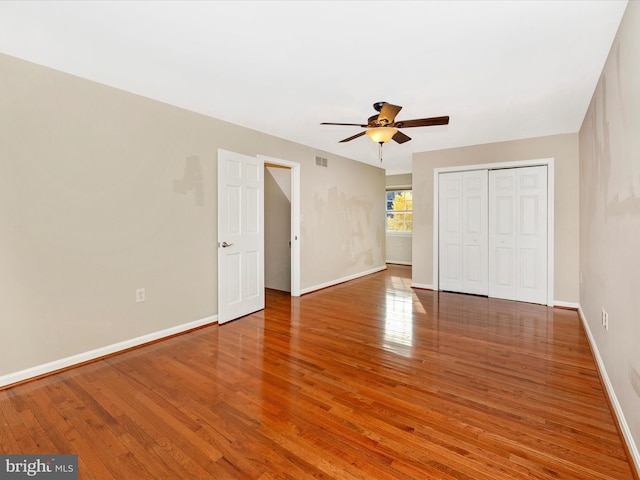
x=502 y=234
x=518 y=234
x=450 y=231
x=532 y=235
x=474 y=233
x=463 y=236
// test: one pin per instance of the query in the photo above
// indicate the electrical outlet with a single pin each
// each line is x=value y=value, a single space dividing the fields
x=141 y=295
x=602 y=316
x=606 y=320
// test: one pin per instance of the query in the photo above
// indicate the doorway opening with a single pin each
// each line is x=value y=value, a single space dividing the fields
x=282 y=225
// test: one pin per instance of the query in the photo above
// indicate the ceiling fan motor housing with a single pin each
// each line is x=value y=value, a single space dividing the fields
x=378 y=106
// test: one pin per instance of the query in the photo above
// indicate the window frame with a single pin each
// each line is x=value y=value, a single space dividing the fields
x=396 y=190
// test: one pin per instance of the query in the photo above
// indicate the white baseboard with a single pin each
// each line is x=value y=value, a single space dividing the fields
x=624 y=426
x=101 y=352
x=342 y=280
x=398 y=262
x=424 y=286
x=558 y=303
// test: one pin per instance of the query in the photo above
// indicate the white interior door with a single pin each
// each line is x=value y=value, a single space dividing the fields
x=240 y=235
x=463 y=232
x=518 y=234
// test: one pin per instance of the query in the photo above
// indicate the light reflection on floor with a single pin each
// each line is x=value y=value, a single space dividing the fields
x=398 y=324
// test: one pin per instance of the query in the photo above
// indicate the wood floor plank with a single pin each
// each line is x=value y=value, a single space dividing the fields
x=369 y=379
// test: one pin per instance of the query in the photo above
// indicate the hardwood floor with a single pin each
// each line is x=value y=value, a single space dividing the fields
x=366 y=380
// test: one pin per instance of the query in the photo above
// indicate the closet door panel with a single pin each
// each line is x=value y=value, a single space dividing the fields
x=463 y=241
x=502 y=234
x=474 y=234
x=532 y=234
x=518 y=234
x=450 y=231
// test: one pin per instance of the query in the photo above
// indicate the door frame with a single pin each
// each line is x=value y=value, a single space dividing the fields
x=549 y=163
x=295 y=219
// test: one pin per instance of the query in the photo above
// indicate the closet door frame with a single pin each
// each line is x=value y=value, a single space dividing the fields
x=549 y=162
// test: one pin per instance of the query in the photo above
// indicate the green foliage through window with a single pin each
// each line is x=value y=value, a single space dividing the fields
x=399 y=211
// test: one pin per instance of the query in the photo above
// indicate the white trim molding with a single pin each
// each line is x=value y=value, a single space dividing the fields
x=423 y=286
x=571 y=305
x=619 y=414
x=97 y=353
x=342 y=280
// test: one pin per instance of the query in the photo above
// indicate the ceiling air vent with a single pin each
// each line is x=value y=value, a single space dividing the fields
x=321 y=161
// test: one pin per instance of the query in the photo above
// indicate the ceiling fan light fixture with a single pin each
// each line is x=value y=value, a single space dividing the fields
x=381 y=134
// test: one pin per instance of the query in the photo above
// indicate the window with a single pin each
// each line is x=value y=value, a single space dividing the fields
x=399 y=211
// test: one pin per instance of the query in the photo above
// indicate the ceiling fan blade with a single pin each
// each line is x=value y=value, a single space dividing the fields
x=422 y=122
x=388 y=114
x=346 y=124
x=400 y=137
x=353 y=137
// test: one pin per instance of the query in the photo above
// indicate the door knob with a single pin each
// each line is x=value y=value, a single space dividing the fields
x=225 y=244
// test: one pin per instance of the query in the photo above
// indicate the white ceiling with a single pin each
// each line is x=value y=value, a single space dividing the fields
x=500 y=69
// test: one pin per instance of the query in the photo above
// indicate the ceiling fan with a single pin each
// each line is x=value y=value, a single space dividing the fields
x=383 y=126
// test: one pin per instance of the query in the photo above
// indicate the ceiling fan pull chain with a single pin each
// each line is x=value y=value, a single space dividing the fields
x=380 y=152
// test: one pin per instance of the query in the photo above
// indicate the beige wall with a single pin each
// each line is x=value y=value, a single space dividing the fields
x=103 y=192
x=343 y=218
x=610 y=218
x=562 y=148
x=401 y=180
